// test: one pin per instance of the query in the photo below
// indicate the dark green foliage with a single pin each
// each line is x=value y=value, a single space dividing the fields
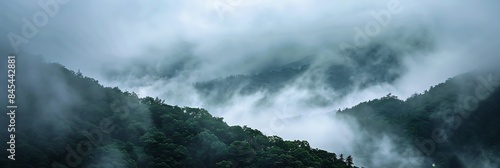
x=466 y=128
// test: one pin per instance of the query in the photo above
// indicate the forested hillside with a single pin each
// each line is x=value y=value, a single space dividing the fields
x=451 y=122
x=65 y=119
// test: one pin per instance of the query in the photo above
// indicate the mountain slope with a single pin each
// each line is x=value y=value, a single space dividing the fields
x=360 y=68
x=454 y=123
x=68 y=120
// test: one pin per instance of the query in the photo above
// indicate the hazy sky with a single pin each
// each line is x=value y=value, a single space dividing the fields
x=136 y=45
x=159 y=48
x=217 y=38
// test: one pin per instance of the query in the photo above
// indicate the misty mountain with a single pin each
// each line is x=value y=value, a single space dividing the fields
x=69 y=120
x=453 y=123
x=89 y=125
x=222 y=89
x=213 y=83
x=372 y=65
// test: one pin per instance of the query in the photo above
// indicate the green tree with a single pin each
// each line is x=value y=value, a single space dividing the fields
x=349 y=161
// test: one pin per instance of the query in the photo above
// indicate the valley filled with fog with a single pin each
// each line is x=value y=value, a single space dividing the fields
x=286 y=68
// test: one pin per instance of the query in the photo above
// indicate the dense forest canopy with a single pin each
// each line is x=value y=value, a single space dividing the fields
x=75 y=121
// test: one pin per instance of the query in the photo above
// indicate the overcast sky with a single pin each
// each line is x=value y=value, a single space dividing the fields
x=237 y=37
x=158 y=48
x=134 y=45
